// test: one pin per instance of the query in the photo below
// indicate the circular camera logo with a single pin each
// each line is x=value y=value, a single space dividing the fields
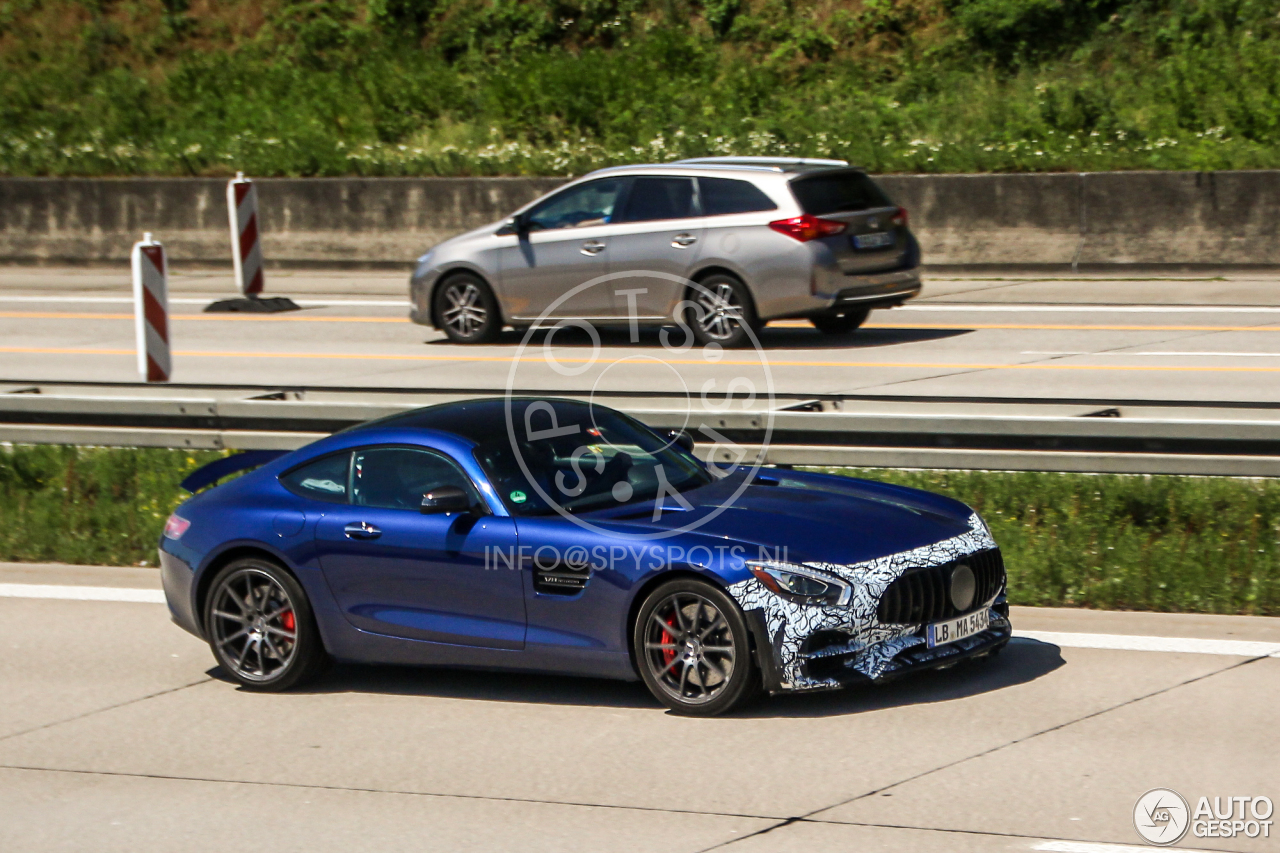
x=1161 y=816
x=572 y=466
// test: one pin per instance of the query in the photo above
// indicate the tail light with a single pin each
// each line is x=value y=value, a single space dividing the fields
x=900 y=218
x=806 y=228
x=175 y=527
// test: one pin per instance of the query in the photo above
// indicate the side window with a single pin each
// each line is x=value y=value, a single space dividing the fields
x=323 y=480
x=398 y=477
x=588 y=204
x=721 y=196
x=652 y=199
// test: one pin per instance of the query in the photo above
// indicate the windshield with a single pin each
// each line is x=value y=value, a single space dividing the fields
x=583 y=462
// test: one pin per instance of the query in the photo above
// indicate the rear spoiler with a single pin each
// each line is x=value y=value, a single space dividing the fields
x=216 y=470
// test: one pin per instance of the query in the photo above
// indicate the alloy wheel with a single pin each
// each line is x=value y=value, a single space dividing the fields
x=721 y=313
x=689 y=648
x=253 y=625
x=465 y=312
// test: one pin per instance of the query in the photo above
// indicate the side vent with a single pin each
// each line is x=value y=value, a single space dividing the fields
x=560 y=580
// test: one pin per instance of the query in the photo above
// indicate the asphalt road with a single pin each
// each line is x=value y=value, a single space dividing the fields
x=1193 y=337
x=117 y=733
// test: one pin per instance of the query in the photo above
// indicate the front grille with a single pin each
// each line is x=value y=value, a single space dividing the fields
x=924 y=595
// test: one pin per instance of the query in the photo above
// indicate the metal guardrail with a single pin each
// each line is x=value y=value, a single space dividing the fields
x=867 y=431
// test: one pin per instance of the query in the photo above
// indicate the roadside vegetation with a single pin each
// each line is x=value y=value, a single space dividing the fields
x=460 y=87
x=1176 y=544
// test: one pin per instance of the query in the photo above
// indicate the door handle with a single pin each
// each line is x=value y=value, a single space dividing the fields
x=592 y=247
x=361 y=530
x=683 y=241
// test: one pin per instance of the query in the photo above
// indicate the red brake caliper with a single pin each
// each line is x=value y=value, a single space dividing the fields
x=667 y=639
x=287 y=621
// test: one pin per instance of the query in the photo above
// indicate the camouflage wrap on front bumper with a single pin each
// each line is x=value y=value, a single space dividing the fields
x=873 y=645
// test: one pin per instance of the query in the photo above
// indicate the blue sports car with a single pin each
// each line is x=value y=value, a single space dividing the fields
x=561 y=536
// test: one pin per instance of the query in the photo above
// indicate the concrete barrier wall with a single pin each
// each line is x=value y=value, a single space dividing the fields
x=1210 y=219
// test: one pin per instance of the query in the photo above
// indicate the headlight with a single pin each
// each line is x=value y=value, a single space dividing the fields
x=801 y=584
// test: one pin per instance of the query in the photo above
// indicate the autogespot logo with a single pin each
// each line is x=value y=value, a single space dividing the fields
x=748 y=389
x=1161 y=816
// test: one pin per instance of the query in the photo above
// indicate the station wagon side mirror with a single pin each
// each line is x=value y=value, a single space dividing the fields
x=445 y=499
x=513 y=225
x=682 y=437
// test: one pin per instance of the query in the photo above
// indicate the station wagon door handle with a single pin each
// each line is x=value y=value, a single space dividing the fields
x=361 y=530
x=683 y=241
x=592 y=247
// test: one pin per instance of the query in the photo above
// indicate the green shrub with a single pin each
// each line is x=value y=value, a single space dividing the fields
x=426 y=87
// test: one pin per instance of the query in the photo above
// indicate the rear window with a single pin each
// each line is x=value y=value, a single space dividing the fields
x=722 y=196
x=838 y=192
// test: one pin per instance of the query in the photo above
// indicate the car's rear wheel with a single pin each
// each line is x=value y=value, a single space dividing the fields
x=467 y=310
x=261 y=628
x=840 y=324
x=693 y=650
x=723 y=311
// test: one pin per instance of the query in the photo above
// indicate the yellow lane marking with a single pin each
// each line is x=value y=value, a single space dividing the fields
x=312 y=318
x=68 y=315
x=462 y=357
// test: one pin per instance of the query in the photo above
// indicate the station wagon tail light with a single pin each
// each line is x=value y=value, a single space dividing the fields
x=806 y=228
x=900 y=218
x=175 y=527
x=801 y=584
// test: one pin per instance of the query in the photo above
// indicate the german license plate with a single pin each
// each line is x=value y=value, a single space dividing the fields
x=941 y=633
x=872 y=241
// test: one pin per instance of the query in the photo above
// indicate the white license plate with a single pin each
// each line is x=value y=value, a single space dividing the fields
x=941 y=633
x=872 y=241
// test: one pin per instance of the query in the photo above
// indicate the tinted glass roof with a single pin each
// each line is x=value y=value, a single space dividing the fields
x=482 y=421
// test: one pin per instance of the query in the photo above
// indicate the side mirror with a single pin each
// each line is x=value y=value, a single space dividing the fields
x=681 y=437
x=445 y=499
x=513 y=225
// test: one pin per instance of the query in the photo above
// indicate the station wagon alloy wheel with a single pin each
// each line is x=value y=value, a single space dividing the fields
x=723 y=313
x=467 y=311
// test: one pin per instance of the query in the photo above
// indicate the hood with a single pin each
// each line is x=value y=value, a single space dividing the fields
x=814 y=517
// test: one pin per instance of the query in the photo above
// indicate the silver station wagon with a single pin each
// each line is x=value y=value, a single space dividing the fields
x=717 y=245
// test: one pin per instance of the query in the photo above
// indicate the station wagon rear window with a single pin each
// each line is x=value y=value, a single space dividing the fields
x=838 y=192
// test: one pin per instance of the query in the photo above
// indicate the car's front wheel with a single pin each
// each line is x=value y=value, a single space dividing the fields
x=467 y=310
x=693 y=650
x=260 y=626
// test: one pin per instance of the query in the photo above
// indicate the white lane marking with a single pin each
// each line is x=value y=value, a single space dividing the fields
x=1090 y=309
x=1130 y=643
x=125 y=300
x=81 y=593
x=919 y=306
x=1100 y=847
x=1117 y=642
x=1109 y=354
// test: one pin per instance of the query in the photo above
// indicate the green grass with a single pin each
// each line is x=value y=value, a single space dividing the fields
x=89 y=505
x=1124 y=542
x=445 y=87
x=1177 y=544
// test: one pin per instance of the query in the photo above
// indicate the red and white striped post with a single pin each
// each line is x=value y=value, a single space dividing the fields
x=246 y=248
x=151 y=309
